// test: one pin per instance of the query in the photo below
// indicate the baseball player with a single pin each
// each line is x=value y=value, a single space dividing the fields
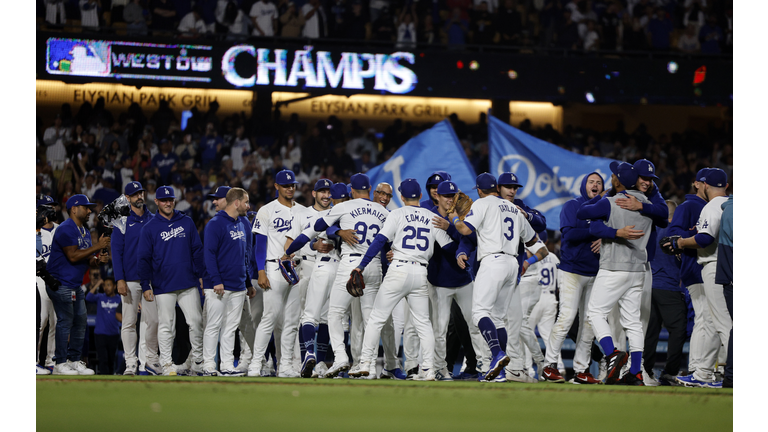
x=705 y=241
x=413 y=236
x=47 y=313
x=366 y=218
x=523 y=298
x=703 y=338
x=499 y=226
x=170 y=257
x=724 y=277
x=274 y=222
x=621 y=275
x=124 y=249
x=578 y=268
x=449 y=283
x=226 y=261
x=432 y=182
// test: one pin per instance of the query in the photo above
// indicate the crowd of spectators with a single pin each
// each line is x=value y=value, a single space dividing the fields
x=96 y=153
x=688 y=26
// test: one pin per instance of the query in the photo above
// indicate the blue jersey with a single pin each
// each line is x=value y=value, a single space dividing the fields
x=69 y=234
x=576 y=254
x=106 y=307
x=170 y=254
x=125 y=246
x=442 y=269
x=666 y=268
x=684 y=224
x=226 y=252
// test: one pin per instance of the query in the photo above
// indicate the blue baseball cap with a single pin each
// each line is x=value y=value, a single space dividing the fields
x=339 y=191
x=627 y=175
x=323 y=184
x=509 y=179
x=615 y=165
x=410 y=188
x=716 y=177
x=221 y=192
x=46 y=200
x=447 y=187
x=133 y=187
x=164 y=192
x=485 y=181
x=360 y=181
x=436 y=177
x=702 y=174
x=285 y=177
x=79 y=200
x=645 y=168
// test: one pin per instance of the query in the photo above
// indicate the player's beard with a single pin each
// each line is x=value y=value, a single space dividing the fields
x=139 y=203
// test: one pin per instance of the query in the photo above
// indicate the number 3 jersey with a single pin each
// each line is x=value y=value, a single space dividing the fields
x=500 y=226
x=361 y=215
x=275 y=221
x=412 y=234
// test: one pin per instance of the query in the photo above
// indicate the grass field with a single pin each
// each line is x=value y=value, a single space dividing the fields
x=118 y=403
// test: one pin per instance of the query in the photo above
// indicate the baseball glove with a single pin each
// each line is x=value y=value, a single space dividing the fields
x=356 y=283
x=671 y=248
x=288 y=269
x=461 y=205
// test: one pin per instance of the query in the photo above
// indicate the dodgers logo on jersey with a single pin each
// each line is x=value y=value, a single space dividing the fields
x=281 y=224
x=175 y=232
x=237 y=235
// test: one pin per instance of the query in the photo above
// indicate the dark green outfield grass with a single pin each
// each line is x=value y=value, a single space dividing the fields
x=148 y=404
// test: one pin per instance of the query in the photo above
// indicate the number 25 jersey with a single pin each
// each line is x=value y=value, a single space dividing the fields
x=361 y=215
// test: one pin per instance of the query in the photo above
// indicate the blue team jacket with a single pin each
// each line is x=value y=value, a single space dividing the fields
x=575 y=247
x=666 y=268
x=442 y=270
x=125 y=247
x=170 y=254
x=226 y=252
x=684 y=224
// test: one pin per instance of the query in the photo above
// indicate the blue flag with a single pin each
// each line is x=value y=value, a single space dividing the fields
x=435 y=149
x=550 y=175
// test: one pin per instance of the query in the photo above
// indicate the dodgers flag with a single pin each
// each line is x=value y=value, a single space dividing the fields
x=550 y=175
x=435 y=149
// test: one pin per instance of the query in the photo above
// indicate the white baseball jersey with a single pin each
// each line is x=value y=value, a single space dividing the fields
x=303 y=216
x=47 y=238
x=412 y=235
x=533 y=269
x=275 y=221
x=499 y=226
x=361 y=215
x=709 y=223
x=547 y=270
x=309 y=232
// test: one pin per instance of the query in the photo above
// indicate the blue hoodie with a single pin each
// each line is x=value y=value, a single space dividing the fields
x=576 y=244
x=125 y=246
x=443 y=271
x=684 y=224
x=250 y=258
x=226 y=252
x=170 y=254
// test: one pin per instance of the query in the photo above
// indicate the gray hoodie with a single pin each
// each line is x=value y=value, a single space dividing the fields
x=620 y=254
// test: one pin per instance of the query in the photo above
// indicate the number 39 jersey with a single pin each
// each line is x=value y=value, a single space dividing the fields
x=412 y=235
x=275 y=221
x=499 y=225
x=361 y=215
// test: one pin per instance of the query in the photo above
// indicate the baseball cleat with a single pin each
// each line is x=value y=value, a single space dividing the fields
x=354 y=371
x=231 y=373
x=467 y=376
x=632 y=380
x=412 y=373
x=289 y=373
x=80 y=367
x=540 y=370
x=602 y=370
x=690 y=381
x=209 y=372
x=551 y=374
x=337 y=368
x=585 y=378
x=395 y=374
x=443 y=375
x=614 y=362
x=367 y=369
x=497 y=364
x=64 y=369
x=41 y=370
x=242 y=367
x=130 y=369
x=308 y=365
x=501 y=377
x=668 y=380
x=154 y=368
x=519 y=376
x=425 y=375
x=648 y=379
x=320 y=369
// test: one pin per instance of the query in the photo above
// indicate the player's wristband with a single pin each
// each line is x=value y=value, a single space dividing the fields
x=455 y=219
x=532 y=260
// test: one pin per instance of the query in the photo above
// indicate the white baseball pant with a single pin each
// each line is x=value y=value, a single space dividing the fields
x=224 y=312
x=441 y=317
x=189 y=302
x=575 y=291
x=340 y=300
x=47 y=317
x=543 y=316
x=704 y=339
x=515 y=349
x=403 y=280
x=645 y=303
x=494 y=285
x=626 y=289
x=275 y=300
x=355 y=326
x=721 y=322
x=289 y=339
x=530 y=291
x=318 y=292
x=411 y=345
x=249 y=320
x=149 y=326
